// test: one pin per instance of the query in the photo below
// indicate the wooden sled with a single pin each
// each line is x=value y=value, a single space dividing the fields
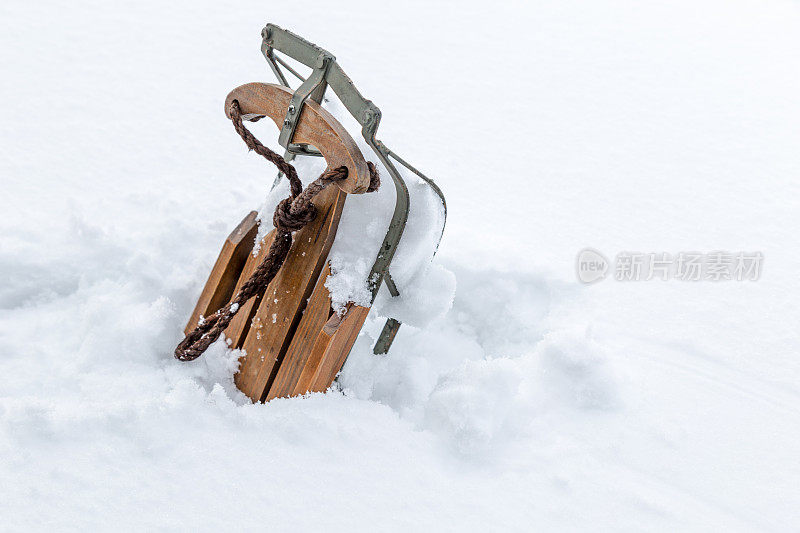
x=292 y=340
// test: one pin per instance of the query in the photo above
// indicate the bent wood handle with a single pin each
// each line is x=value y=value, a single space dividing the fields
x=316 y=126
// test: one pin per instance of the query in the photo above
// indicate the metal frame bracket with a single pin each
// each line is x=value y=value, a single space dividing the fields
x=315 y=84
x=326 y=72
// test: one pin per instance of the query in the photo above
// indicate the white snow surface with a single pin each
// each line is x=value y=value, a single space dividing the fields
x=514 y=398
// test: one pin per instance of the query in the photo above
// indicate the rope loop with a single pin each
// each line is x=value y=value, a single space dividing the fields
x=285 y=220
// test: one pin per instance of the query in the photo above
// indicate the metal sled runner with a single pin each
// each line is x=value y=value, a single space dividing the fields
x=292 y=339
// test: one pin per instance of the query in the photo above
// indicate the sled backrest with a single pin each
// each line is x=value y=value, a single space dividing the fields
x=315 y=126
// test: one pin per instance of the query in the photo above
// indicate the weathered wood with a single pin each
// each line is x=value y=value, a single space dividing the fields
x=281 y=308
x=330 y=352
x=313 y=362
x=339 y=348
x=316 y=126
x=225 y=273
x=240 y=325
x=316 y=314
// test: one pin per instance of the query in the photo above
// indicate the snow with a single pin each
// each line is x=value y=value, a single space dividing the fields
x=514 y=397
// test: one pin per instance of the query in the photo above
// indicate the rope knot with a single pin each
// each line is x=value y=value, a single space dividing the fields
x=292 y=216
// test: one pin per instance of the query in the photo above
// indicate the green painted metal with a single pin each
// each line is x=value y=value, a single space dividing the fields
x=327 y=73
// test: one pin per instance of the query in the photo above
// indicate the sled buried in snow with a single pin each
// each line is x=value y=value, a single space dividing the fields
x=293 y=341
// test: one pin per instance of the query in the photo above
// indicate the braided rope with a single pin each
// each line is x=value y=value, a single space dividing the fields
x=291 y=214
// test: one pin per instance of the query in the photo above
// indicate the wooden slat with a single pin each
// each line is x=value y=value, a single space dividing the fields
x=237 y=329
x=330 y=353
x=317 y=312
x=306 y=379
x=339 y=348
x=222 y=280
x=281 y=308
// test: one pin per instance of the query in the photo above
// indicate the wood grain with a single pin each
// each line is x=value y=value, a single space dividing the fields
x=317 y=312
x=225 y=273
x=339 y=348
x=281 y=308
x=330 y=353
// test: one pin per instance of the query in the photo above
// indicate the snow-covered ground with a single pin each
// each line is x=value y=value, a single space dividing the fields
x=535 y=402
